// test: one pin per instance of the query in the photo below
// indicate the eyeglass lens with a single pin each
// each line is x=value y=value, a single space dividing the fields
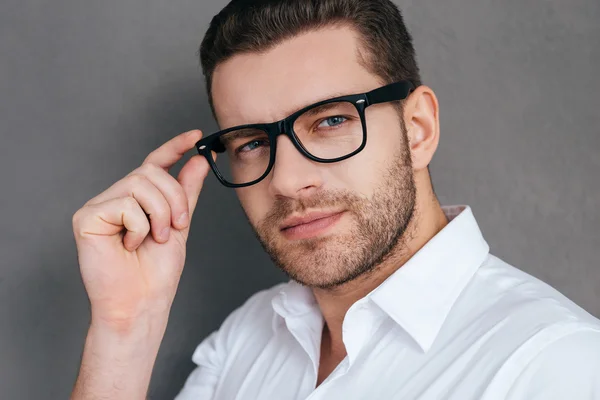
x=329 y=131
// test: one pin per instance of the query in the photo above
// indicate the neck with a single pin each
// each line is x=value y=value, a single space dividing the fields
x=428 y=219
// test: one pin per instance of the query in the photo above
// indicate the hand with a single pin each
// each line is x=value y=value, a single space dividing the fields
x=131 y=239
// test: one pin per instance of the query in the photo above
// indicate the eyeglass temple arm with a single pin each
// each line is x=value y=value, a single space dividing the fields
x=392 y=92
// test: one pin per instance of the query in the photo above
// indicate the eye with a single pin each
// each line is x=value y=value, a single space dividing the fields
x=332 y=121
x=253 y=145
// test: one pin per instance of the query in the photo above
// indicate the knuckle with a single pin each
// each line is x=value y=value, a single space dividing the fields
x=79 y=222
x=130 y=203
x=150 y=167
x=148 y=161
x=148 y=158
x=137 y=179
x=76 y=219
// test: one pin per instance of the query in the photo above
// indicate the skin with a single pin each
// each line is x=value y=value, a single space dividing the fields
x=131 y=265
x=131 y=239
x=266 y=87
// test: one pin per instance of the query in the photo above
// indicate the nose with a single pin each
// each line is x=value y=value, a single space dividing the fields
x=293 y=174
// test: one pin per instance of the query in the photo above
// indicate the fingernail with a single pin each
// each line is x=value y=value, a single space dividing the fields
x=183 y=219
x=164 y=234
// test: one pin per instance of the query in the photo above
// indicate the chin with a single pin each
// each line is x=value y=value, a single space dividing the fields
x=318 y=262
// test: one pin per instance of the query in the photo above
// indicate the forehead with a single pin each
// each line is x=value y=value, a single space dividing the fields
x=265 y=87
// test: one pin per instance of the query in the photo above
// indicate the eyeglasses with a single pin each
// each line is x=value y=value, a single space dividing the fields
x=328 y=131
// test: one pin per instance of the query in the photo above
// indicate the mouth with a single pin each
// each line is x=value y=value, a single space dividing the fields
x=309 y=225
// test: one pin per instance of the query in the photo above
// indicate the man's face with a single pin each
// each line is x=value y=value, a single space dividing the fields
x=323 y=224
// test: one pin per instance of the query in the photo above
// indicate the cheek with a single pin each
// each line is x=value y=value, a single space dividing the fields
x=364 y=173
x=255 y=202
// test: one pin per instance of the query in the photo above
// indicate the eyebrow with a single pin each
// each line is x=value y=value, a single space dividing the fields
x=330 y=96
x=320 y=109
x=240 y=134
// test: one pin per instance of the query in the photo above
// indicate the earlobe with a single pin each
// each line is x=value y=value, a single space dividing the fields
x=422 y=123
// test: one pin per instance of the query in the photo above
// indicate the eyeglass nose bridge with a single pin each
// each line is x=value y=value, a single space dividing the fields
x=284 y=127
x=275 y=129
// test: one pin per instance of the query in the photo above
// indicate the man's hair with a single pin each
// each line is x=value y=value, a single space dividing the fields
x=249 y=26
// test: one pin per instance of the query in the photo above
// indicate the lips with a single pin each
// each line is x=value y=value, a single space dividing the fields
x=309 y=225
x=306 y=219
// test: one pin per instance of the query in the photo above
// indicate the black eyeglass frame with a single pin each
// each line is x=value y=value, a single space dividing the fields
x=392 y=92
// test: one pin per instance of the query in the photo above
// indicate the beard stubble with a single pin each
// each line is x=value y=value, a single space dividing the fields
x=379 y=226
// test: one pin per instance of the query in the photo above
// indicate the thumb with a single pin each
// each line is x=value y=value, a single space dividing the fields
x=191 y=178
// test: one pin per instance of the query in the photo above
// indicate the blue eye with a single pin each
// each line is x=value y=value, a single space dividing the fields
x=253 y=145
x=333 y=121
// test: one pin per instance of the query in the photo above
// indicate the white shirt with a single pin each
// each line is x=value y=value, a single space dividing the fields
x=454 y=322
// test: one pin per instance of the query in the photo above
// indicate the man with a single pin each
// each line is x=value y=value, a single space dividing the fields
x=327 y=134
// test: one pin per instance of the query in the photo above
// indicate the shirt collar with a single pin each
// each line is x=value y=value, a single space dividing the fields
x=420 y=294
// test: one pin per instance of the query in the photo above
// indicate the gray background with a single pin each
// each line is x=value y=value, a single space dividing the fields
x=88 y=88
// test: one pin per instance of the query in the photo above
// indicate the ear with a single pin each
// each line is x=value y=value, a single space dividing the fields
x=421 y=116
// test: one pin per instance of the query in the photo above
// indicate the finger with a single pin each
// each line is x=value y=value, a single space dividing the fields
x=109 y=218
x=172 y=151
x=150 y=198
x=154 y=205
x=168 y=186
x=171 y=190
x=191 y=177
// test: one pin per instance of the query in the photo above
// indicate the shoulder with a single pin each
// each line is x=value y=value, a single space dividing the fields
x=568 y=367
x=249 y=324
x=251 y=321
x=577 y=352
x=523 y=298
x=538 y=333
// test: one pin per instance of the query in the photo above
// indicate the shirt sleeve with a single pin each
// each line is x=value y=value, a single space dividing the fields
x=209 y=356
x=214 y=352
x=566 y=369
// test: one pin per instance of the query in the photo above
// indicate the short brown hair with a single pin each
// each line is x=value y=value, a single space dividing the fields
x=246 y=26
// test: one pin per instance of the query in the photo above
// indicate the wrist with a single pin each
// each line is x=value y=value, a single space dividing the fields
x=124 y=331
x=144 y=324
x=116 y=365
